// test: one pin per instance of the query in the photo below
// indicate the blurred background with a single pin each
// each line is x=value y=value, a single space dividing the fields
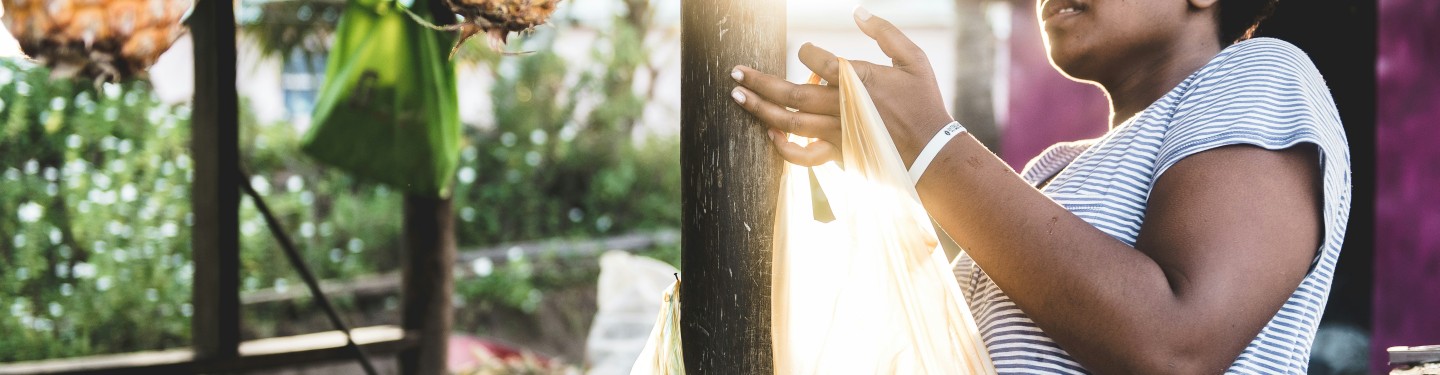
x=569 y=178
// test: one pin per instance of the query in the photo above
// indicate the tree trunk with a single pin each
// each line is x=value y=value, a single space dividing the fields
x=731 y=176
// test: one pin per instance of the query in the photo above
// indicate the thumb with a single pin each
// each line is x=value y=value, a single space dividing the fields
x=903 y=52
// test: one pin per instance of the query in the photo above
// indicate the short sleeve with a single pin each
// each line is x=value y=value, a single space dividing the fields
x=1268 y=94
x=1265 y=93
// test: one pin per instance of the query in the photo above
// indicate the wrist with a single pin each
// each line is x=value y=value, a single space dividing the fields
x=918 y=135
x=932 y=149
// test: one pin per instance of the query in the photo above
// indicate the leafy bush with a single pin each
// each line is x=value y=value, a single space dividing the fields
x=570 y=174
x=95 y=256
x=574 y=173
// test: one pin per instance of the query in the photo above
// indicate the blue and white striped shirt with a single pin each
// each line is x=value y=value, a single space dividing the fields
x=1262 y=92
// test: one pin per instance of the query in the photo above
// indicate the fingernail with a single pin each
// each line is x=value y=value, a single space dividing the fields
x=862 y=14
x=739 y=96
x=775 y=134
x=737 y=74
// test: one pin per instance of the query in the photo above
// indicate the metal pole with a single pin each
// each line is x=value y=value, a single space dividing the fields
x=731 y=176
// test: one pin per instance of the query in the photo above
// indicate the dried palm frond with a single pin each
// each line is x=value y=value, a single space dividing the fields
x=495 y=18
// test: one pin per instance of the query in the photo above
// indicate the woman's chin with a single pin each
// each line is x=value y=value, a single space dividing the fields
x=1068 y=65
x=1075 y=63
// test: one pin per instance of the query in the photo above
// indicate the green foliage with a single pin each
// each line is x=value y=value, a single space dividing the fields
x=342 y=227
x=573 y=174
x=94 y=240
x=570 y=175
x=95 y=254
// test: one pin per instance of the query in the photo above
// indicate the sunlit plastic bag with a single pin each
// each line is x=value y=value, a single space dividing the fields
x=870 y=291
x=662 y=354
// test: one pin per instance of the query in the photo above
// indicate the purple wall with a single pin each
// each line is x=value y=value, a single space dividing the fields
x=1407 y=205
x=1045 y=107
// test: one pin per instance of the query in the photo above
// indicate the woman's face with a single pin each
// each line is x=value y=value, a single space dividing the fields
x=1090 y=39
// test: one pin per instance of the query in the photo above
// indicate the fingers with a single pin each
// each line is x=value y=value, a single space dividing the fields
x=827 y=66
x=817 y=99
x=820 y=61
x=904 y=53
x=777 y=117
x=813 y=154
x=865 y=70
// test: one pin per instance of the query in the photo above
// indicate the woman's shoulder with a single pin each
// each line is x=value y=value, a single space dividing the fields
x=1259 y=63
x=1264 y=46
x=1262 y=91
x=1261 y=73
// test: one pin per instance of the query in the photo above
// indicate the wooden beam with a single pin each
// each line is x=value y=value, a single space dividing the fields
x=631 y=242
x=215 y=192
x=389 y=283
x=277 y=352
x=428 y=282
x=159 y=361
x=328 y=346
x=730 y=177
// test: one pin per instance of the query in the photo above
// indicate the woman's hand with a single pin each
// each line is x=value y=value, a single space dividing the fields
x=905 y=93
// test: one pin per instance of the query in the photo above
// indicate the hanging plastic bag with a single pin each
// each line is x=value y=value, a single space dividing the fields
x=870 y=291
x=662 y=354
x=388 y=110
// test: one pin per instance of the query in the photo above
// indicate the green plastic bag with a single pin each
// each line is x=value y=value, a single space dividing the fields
x=388 y=110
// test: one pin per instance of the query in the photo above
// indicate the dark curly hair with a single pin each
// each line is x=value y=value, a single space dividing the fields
x=1239 y=18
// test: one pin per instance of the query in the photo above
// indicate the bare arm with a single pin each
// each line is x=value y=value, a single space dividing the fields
x=1228 y=233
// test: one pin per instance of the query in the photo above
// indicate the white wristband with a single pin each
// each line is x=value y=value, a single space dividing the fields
x=927 y=154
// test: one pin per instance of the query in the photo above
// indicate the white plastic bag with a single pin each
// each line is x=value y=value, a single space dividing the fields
x=626 y=310
x=662 y=354
x=871 y=291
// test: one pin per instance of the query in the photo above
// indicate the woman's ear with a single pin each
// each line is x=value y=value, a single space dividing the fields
x=1203 y=4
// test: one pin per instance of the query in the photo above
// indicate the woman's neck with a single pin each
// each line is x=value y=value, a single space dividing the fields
x=1154 y=75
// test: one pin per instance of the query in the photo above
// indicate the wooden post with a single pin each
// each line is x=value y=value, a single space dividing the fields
x=427 y=269
x=215 y=192
x=428 y=282
x=426 y=276
x=731 y=176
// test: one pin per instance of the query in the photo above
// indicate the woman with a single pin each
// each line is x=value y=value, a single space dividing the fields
x=1199 y=235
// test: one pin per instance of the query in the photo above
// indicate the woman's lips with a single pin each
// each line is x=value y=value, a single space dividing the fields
x=1060 y=8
